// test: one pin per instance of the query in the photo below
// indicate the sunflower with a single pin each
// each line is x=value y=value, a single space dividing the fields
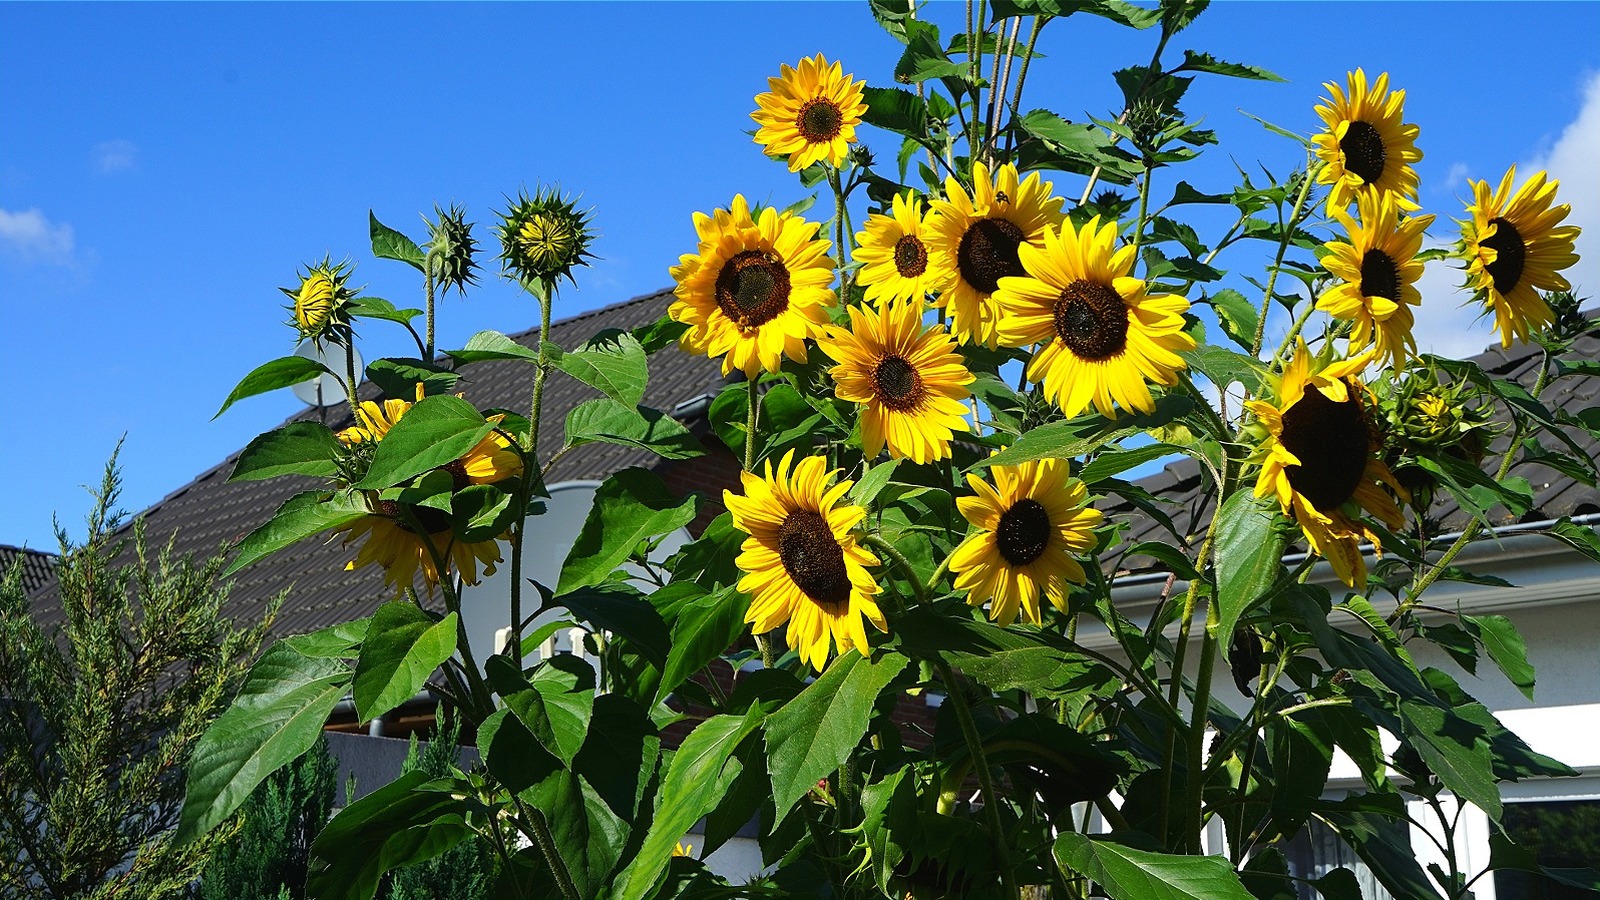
x=1319 y=457
x=811 y=113
x=1103 y=336
x=1515 y=249
x=1378 y=269
x=910 y=378
x=400 y=551
x=393 y=539
x=973 y=242
x=1367 y=148
x=801 y=563
x=1027 y=526
x=754 y=290
x=320 y=305
x=893 y=254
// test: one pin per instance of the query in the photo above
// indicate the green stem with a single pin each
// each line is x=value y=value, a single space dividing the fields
x=530 y=464
x=972 y=78
x=1022 y=73
x=991 y=805
x=1283 y=247
x=878 y=543
x=350 y=382
x=539 y=830
x=839 y=234
x=1197 y=727
x=1144 y=206
x=1175 y=688
x=752 y=418
x=1287 y=346
x=427 y=354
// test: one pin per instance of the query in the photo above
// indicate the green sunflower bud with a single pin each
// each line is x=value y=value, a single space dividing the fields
x=320 y=305
x=543 y=237
x=1428 y=419
x=451 y=248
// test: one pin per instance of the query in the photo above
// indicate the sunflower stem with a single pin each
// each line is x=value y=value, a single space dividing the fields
x=1294 y=331
x=752 y=418
x=350 y=381
x=1283 y=247
x=1175 y=687
x=1022 y=75
x=895 y=556
x=1197 y=727
x=972 y=79
x=839 y=232
x=540 y=290
x=1144 y=207
x=427 y=353
x=980 y=760
x=539 y=830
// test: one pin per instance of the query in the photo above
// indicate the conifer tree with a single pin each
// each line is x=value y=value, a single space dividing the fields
x=266 y=860
x=466 y=871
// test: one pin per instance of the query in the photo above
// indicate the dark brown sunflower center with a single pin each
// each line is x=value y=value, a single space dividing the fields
x=432 y=520
x=819 y=120
x=1332 y=443
x=988 y=253
x=1363 y=151
x=458 y=474
x=814 y=559
x=752 y=288
x=1023 y=533
x=1091 y=320
x=897 y=384
x=910 y=256
x=1511 y=254
x=1380 y=277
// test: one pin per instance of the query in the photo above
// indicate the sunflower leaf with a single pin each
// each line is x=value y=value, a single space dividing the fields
x=379 y=308
x=299 y=448
x=1205 y=62
x=1223 y=367
x=1237 y=314
x=924 y=57
x=1125 y=873
x=612 y=362
x=390 y=244
x=1249 y=551
x=631 y=506
x=436 y=431
x=402 y=647
x=812 y=735
x=269 y=376
x=604 y=419
x=301 y=516
x=897 y=110
x=398 y=378
x=1075 y=437
x=487 y=345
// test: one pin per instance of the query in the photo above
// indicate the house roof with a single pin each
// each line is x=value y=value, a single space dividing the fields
x=1185 y=499
x=36 y=566
x=210 y=513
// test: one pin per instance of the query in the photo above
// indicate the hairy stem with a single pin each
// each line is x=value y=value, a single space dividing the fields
x=1283 y=247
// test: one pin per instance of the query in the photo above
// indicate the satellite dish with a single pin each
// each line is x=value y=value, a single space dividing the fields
x=324 y=390
x=546 y=541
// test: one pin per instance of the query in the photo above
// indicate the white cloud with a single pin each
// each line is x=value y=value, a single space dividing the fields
x=31 y=237
x=1456 y=177
x=1446 y=327
x=1572 y=159
x=116 y=155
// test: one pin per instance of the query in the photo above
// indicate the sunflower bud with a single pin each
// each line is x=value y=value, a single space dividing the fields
x=1427 y=419
x=1567 y=319
x=451 y=248
x=542 y=237
x=320 y=305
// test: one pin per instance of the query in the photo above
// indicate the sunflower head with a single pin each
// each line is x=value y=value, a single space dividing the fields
x=1376 y=270
x=1104 y=339
x=320 y=304
x=974 y=240
x=543 y=237
x=1516 y=247
x=801 y=562
x=910 y=378
x=755 y=290
x=1366 y=147
x=1026 y=527
x=893 y=252
x=451 y=249
x=810 y=114
x=1318 y=452
x=1426 y=418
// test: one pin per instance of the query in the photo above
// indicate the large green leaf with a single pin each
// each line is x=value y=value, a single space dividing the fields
x=555 y=704
x=1454 y=751
x=1205 y=62
x=299 y=448
x=619 y=755
x=1125 y=873
x=301 y=516
x=488 y=345
x=1248 y=553
x=1114 y=462
x=277 y=715
x=1001 y=659
x=339 y=641
x=1506 y=647
x=1223 y=367
x=403 y=646
x=612 y=362
x=408 y=820
x=630 y=507
x=390 y=244
x=702 y=630
x=623 y=611
x=511 y=753
x=1075 y=437
x=813 y=734
x=695 y=782
x=379 y=308
x=399 y=378
x=434 y=432
x=269 y=376
x=604 y=419
x=897 y=110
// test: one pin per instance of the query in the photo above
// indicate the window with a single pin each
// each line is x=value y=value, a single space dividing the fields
x=1562 y=834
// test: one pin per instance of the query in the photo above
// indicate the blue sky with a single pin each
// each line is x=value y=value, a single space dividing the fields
x=164 y=168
